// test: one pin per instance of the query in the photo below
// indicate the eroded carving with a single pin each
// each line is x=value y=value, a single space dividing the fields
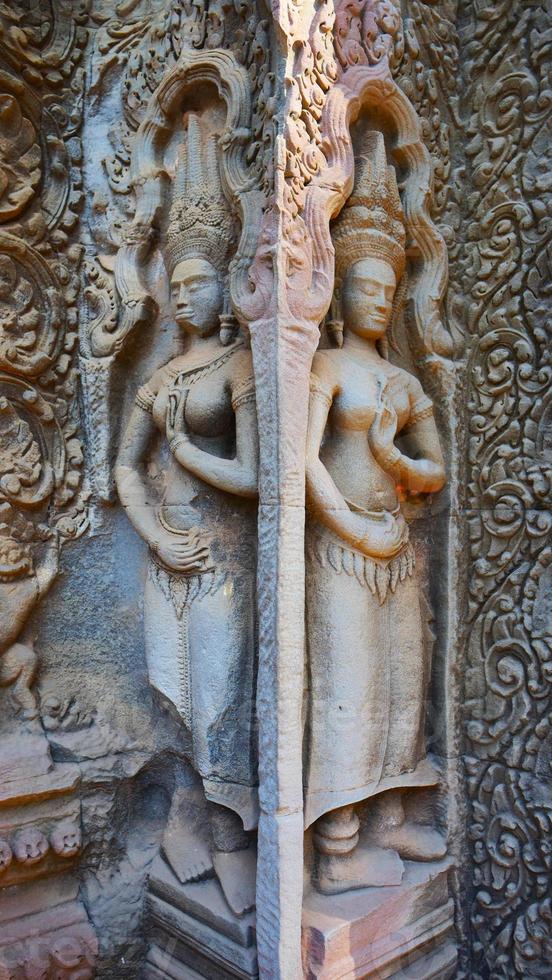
x=201 y=533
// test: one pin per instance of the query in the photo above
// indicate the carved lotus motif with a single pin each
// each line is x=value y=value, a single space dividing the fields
x=19 y=159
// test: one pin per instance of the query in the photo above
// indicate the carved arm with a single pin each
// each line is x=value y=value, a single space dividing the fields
x=130 y=484
x=423 y=469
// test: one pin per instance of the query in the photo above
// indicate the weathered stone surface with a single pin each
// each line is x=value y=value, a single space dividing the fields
x=274 y=489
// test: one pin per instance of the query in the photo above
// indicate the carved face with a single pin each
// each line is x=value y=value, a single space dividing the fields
x=5 y=855
x=30 y=846
x=70 y=959
x=66 y=839
x=367 y=298
x=196 y=293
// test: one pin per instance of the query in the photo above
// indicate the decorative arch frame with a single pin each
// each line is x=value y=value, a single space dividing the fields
x=373 y=87
x=149 y=180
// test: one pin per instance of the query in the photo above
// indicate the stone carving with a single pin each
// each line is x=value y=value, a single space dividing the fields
x=365 y=718
x=505 y=268
x=148 y=48
x=323 y=97
x=40 y=456
x=30 y=845
x=200 y=594
x=66 y=839
x=67 y=957
x=289 y=91
x=44 y=930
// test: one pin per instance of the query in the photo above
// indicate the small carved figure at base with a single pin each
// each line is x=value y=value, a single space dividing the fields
x=66 y=839
x=388 y=827
x=343 y=864
x=17 y=669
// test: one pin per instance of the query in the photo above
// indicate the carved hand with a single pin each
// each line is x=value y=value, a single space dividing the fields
x=185 y=553
x=384 y=427
x=176 y=420
x=383 y=538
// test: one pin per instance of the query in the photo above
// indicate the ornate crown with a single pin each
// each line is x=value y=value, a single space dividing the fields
x=199 y=220
x=372 y=221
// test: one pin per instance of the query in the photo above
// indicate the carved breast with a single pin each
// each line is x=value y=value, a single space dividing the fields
x=208 y=412
x=356 y=404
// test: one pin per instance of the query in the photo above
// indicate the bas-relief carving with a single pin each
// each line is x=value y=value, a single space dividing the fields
x=367 y=669
x=304 y=249
x=200 y=593
x=44 y=929
x=504 y=267
x=372 y=45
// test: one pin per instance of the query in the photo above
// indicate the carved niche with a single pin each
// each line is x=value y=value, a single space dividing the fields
x=198 y=205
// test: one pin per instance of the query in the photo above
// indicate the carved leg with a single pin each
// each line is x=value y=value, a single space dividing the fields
x=343 y=864
x=234 y=859
x=388 y=827
x=18 y=668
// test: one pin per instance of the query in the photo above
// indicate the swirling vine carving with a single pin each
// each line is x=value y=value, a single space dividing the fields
x=504 y=268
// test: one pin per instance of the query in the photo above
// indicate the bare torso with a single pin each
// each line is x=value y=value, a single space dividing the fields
x=356 y=381
x=187 y=501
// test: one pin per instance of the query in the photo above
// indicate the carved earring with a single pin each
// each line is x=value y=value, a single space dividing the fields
x=334 y=323
x=229 y=326
x=390 y=340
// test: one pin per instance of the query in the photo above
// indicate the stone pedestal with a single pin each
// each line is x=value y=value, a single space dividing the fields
x=43 y=924
x=405 y=931
x=193 y=932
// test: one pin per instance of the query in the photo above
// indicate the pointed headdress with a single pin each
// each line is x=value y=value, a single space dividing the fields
x=199 y=225
x=371 y=223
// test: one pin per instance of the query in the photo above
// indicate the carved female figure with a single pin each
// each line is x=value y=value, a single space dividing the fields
x=365 y=644
x=199 y=599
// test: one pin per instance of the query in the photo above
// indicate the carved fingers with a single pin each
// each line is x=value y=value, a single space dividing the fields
x=186 y=553
x=176 y=417
x=384 y=427
x=385 y=536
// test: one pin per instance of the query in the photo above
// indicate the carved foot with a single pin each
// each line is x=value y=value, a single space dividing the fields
x=388 y=826
x=236 y=872
x=413 y=841
x=185 y=844
x=364 y=867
